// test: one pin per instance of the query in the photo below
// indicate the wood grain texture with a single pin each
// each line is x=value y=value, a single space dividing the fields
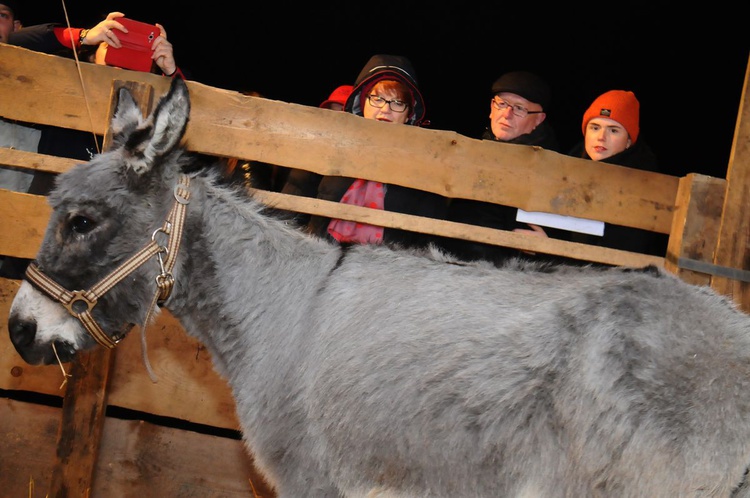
x=228 y=124
x=733 y=249
x=135 y=460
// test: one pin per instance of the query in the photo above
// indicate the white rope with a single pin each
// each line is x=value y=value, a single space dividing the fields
x=144 y=351
x=80 y=79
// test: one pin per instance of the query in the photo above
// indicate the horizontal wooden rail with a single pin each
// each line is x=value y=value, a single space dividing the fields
x=229 y=124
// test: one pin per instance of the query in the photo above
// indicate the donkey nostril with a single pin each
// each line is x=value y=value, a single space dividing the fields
x=21 y=332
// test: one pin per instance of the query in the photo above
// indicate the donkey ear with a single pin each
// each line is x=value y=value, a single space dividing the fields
x=127 y=115
x=170 y=119
x=143 y=143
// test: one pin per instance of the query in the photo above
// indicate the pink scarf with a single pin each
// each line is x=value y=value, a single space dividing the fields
x=360 y=193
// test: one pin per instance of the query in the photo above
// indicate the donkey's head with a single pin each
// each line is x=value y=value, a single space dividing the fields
x=104 y=253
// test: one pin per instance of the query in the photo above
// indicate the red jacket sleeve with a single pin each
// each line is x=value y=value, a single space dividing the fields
x=68 y=37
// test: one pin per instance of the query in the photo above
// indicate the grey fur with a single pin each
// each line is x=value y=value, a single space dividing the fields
x=380 y=372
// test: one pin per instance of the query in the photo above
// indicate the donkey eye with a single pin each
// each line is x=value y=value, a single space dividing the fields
x=81 y=224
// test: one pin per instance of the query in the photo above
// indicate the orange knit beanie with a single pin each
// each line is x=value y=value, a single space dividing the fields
x=620 y=105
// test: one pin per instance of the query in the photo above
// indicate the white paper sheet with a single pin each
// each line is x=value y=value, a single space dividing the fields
x=570 y=223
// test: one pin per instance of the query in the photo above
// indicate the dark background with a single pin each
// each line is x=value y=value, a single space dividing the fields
x=686 y=65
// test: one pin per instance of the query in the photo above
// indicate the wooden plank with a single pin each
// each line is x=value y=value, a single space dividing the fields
x=695 y=232
x=36 y=162
x=458 y=230
x=136 y=458
x=139 y=459
x=25 y=218
x=28 y=432
x=230 y=124
x=733 y=250
x=84 y=405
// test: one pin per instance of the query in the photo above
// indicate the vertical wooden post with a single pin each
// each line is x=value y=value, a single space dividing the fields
x=83 y=416
x=85 y=401
x=695 y=232
x=733 y=250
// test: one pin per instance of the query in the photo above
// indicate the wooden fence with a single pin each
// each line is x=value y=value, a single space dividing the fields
x=110 y=431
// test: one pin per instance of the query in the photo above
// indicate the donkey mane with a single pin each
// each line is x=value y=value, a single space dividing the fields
x=376 y=371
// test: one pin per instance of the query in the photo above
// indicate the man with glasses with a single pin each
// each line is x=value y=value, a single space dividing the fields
x=518 y=105
x=517 y=111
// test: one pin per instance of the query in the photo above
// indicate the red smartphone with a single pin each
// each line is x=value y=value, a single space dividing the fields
x=135 y=52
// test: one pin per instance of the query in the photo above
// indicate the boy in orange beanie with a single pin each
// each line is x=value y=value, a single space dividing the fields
x=611 y=134
x=610 y=124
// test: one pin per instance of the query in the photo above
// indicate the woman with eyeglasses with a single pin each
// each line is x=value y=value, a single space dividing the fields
x=386 y=90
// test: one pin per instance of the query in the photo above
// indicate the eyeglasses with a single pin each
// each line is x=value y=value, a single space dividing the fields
x=395 y=105
x=518 y=109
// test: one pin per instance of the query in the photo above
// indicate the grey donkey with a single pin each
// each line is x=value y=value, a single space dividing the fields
x=377 y=371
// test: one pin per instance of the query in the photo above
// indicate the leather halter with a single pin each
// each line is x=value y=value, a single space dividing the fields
x=80 y=303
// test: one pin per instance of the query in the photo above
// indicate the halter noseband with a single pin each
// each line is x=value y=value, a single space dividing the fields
x=80 y=303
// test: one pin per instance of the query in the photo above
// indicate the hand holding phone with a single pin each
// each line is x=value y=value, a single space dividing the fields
x=135 y=52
